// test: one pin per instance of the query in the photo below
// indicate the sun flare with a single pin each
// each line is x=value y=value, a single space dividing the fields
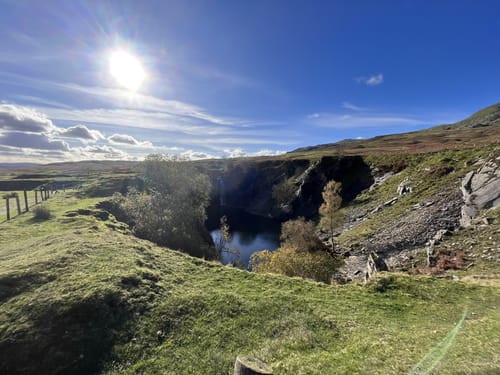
x=126 y=69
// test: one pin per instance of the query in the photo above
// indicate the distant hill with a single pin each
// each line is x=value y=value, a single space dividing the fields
x=480 y=129
x=17 y=165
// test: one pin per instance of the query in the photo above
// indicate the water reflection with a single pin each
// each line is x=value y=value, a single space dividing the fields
x=250 y=233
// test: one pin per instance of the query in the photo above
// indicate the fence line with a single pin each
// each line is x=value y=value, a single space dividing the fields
x=41 y=194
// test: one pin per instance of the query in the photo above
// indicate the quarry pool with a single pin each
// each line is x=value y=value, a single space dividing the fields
x=249 y=233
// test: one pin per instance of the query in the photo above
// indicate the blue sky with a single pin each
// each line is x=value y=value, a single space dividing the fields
x=234 y=78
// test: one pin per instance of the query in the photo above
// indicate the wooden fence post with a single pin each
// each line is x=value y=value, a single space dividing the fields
x=36 y=196
x=7 y=206
x=18 y=203
x=26 y=201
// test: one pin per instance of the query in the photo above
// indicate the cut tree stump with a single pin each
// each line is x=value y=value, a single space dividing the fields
x=251 y=366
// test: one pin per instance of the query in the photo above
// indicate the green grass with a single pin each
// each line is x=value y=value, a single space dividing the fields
x=78 y=294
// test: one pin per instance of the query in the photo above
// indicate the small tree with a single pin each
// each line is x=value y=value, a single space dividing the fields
x=300 y=234
x=223 y=238
x=301 y=254
x=331 y=218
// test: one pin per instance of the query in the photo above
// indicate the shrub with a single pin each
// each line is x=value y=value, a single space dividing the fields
x=171 y=211
x=41 y=213
x=290 y=261
x=301 y=254
x=301 y=234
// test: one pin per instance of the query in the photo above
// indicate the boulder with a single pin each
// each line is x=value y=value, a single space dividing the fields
x=404 y=187
x=480 y=190
x=374 y=264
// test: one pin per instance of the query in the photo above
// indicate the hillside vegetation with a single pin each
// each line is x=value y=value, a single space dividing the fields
x=80 y=294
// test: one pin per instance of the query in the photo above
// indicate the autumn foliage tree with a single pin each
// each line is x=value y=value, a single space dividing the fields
x=331 y=217
x=301 y=253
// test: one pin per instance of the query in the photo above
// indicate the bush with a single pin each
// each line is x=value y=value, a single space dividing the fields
x=301 y=234
x=290 y=261
x=171 y=211
x=41 y=213
x=301 y=254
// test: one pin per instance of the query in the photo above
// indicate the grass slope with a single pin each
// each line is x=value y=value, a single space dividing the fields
x=79 y=294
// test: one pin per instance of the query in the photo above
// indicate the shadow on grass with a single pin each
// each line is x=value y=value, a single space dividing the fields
x=66 y=337
x=12 y=285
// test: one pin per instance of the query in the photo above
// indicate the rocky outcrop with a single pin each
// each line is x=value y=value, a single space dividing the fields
x=374 y=264
x=415 y=228
x=480 y=190
x=429 y=246
x=404 y=187
x=248 y=185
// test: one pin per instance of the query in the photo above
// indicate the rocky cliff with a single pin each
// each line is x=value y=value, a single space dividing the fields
x=286 y=189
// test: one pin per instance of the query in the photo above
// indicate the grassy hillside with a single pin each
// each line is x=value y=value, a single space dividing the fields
x=79 y=294
x=480 y=129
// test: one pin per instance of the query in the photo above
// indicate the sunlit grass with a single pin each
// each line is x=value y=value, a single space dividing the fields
x=100 y=298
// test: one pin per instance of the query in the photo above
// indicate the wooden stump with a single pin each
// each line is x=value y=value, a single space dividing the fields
x=251 y=366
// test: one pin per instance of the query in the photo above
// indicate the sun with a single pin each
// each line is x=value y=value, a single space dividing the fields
x=126 y=69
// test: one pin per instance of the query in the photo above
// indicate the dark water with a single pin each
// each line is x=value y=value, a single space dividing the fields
x=250 y=233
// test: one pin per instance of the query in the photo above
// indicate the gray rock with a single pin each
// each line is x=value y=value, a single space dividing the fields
x=404 y=187
x=480 y=190
x=374 y=264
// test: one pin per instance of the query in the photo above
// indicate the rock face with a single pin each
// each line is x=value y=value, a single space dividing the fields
x=248 y=185
x=480 y=190
x=418 y=226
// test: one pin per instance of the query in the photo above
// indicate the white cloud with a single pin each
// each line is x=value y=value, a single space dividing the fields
x=269 y=153
x=197 y=155
x=353 y=107
x=373 y=80
x=235 y=152
x=124 y=139
x=102 y=152
x=18 y=118
x=240 y=152
x=80 y=132
x=340 y=121
x=32 y=140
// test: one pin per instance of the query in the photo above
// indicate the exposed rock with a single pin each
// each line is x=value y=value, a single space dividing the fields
x=429 y=248
x=248 y=184
x=416 y=228
x=480 y=190
x=353 y=268
x=391 y=201
x=374 y=264
x=379 y=180
x=404 y=187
